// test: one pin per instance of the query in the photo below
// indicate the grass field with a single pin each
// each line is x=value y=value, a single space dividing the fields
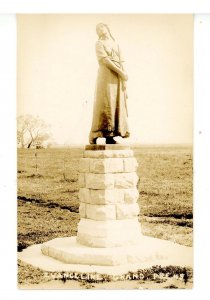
x=48 y=193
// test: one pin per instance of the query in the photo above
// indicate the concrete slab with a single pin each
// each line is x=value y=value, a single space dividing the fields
x=112 y=261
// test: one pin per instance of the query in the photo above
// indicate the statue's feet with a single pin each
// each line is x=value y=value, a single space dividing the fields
x=98 y=141
x=122 y=141
x=110 y=140
x=93 y=141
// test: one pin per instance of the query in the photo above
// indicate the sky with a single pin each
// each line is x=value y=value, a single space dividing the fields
x=57 y=71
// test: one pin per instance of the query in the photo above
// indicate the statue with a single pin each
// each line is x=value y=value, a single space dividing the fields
x=110 y=110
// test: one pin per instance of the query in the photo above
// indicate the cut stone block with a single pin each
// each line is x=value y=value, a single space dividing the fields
x=108 y=196
x=99 y=181
x=97 y=166
x=126 y=180
x=97 y=147
x=114 y=165
x=131 y=195
x=110 y=233
x=127 y=211
x=106 y=165
x=98 y=154
x=78 y=254
x=84 y=165
x=108 y=153
x=82 y=210
x=123 y=153
x=84 y=195
x=101 y=197
x=81 y=180
x=130 y=164
x=101 y=212
x=107 y=228
x=118 y=240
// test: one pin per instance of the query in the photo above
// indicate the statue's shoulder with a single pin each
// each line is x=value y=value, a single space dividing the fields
x=99 y=45
x=99 y=42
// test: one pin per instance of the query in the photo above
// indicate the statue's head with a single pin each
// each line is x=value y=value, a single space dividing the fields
x=103 y=29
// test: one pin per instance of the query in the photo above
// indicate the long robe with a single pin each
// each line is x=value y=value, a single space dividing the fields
x=110 y=110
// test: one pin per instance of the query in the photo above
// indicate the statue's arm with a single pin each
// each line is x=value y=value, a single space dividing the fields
x=104 y=59
x=122 y=67
x=109 y=64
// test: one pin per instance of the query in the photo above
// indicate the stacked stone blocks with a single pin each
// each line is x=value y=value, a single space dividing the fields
x=108 y=199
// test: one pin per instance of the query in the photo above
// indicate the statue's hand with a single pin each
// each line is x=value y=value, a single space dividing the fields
x=124 y=76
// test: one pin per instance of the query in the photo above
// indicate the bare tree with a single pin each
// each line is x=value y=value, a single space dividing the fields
x=31 y=131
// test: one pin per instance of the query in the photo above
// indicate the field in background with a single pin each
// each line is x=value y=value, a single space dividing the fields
x=48 y=193
x=48 y=206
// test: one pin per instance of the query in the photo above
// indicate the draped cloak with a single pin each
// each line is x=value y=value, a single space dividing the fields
x=110 y=110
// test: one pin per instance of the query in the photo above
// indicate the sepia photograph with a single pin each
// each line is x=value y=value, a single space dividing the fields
x=105 y=151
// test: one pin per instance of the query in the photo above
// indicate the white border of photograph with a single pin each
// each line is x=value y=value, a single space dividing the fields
x=108 y=6
x=8 y=146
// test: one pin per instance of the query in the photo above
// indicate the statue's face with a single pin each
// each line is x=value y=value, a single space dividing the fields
x=101 y=30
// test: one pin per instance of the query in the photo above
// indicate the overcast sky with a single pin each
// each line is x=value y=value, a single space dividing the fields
x=57 y=71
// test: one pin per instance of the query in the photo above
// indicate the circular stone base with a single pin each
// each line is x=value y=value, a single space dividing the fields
x=65 y=254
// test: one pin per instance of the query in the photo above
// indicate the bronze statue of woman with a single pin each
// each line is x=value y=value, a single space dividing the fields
x=110 y=110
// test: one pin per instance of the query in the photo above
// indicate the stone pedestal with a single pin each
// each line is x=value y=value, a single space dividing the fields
x=109 y=238
x=108 y=197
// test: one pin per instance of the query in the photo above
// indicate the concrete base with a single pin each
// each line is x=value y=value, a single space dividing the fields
x=65 y=254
